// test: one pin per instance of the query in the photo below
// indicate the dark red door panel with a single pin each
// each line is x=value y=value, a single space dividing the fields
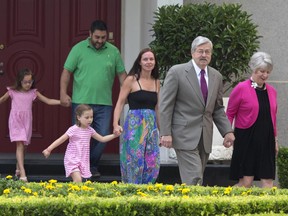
x=39 y=34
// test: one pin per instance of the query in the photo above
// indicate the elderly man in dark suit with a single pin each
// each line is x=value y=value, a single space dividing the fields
x=190 y=100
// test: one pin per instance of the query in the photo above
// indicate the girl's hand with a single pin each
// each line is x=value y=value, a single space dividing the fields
x=46 y=153
x=117 y=130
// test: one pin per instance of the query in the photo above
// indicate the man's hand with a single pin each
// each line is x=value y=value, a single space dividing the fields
x=166 y=141
x=65 y=100
x=229 y=140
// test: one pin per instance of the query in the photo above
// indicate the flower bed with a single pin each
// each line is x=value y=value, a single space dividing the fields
x=88 y=198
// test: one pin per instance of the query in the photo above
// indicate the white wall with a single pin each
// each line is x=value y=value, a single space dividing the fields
x=161 y=3
x=137 y=19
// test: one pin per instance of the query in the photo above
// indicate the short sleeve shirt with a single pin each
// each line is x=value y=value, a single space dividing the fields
x=77 y=154
x=93 y=72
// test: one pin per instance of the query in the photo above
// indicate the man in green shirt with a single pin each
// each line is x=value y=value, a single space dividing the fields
x=94 y=62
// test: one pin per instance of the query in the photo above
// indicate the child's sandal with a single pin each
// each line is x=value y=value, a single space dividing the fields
x=24 y=179
x=17 y=173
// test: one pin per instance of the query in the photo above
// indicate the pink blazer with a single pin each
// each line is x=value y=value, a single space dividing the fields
x=243 y=105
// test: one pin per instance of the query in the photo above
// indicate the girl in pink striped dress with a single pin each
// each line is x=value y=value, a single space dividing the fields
x=22 y=95
x=77 y=155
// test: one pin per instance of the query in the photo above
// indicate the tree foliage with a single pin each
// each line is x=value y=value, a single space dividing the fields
x=235 y=37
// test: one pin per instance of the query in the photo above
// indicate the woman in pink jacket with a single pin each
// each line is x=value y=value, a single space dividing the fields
x=253 y=106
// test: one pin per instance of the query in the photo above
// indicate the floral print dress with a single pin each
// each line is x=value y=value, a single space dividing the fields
x=139 y=151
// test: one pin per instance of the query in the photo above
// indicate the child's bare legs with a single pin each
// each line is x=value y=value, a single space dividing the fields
x=266 y=183
x=76 y=176
x=17 y=171
x=246 y=181
x=20 y=149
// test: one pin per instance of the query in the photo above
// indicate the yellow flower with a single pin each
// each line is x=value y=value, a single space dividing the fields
x=6 y=191
x=228 y=190
x=142 y=194
x=27 y=190
x=169 y=188
x=149 y=187
x=88 y=182
x=51 y=181
x=166 y=193
x=183 y=184
x=49 y=187
x=114 y=182
x=42 y=183
x=35 y=194
x=74 y=188
x=9 y=177
x=85 y=188
x=159 y=185
x=185 y=197
x=185 y=190
x=274 y=188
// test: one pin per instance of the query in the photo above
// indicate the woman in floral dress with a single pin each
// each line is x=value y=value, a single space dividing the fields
x=139 y=150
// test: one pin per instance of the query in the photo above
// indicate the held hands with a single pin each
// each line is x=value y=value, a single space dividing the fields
x=229 y=140
x=46 y=153
x=65 y=100
x=117 y=130
x=166 y=141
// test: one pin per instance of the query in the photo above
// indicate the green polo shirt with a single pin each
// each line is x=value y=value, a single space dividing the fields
x=93 y=72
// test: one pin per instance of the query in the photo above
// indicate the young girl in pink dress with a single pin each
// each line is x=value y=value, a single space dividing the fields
x=22 y=95
x=77 y=155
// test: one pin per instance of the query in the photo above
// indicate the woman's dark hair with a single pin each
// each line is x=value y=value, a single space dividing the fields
x=136 y=68
x=20 y=76
x=79 y=111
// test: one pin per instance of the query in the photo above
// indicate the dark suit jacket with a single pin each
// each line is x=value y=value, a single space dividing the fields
x=183 y=113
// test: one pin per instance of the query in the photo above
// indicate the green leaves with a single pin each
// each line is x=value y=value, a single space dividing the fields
x=282 y=164
x=234 y=36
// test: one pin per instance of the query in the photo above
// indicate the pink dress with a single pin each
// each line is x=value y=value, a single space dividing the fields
x=20 y=118
x=77 y=155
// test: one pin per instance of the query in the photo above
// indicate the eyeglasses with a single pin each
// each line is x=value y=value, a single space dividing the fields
x=201 y=52
x=27 y=82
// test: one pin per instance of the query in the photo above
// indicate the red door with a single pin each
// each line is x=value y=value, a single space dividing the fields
x=39 y=34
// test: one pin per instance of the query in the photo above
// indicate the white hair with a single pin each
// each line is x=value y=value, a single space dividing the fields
x=199 y=41
x=261 y=60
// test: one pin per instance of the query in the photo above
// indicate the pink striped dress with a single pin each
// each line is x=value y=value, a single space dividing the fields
x=77 y=155
x=20 y=118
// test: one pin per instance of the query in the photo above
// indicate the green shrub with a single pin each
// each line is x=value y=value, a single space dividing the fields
x=282 y=165
x=113 y=199
x=234 y=36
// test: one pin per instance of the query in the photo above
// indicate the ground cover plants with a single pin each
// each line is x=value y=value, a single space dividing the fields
x=91 y=198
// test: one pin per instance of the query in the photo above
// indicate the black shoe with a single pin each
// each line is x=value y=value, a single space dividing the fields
x=96 y=174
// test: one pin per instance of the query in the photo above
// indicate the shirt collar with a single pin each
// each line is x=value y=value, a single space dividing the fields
x=89 y=45
x=198 y=70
